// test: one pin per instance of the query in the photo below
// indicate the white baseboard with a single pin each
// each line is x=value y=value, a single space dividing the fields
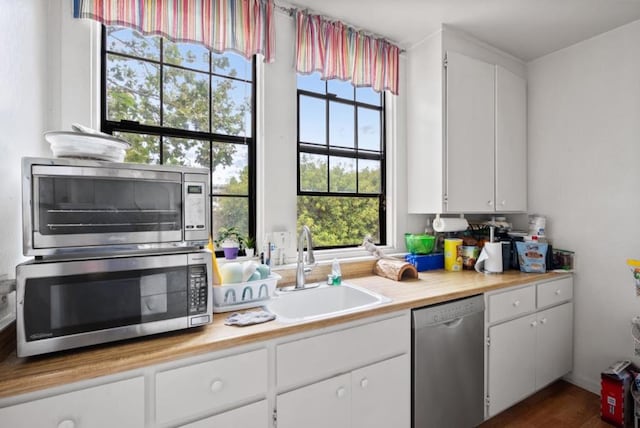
x=592 y=385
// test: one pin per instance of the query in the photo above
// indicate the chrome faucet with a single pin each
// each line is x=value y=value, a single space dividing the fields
x=301 y=270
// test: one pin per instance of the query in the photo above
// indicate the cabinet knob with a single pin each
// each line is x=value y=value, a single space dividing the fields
x=503 y=203
x=516 y=303
x=489 y=203
x=67 y=423
x=543 y=321
x=216 y=385
x=364 y=383
x=534 y=323
x=341 y=392
x=558 y=291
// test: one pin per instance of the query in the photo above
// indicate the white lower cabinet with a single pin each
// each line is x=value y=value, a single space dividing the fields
x=322 y=404
x=381 y=394
x=376 y=396
x=254 y=415
x=358 y=377
x=535 y=348
x=117 y=404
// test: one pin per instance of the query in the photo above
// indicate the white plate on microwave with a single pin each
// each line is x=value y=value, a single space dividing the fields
x=86 y=146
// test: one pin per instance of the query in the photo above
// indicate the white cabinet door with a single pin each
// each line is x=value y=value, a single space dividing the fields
x=511 y=374
x=320 y=405
x=470 y=134
x=511 y=142
x=254 y=415
x=554 y=347
x=118 y=404
x=382 y=394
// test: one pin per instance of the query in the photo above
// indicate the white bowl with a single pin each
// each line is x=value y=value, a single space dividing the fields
x=86 y=146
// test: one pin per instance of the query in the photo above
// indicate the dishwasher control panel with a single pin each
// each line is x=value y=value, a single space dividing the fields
x=449 y=311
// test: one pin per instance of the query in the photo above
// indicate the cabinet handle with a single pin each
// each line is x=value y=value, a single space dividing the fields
x=558 y=291
x=364 y=383
x=341 y=392
x=516 y=303
x=489 y=203
x=534 y=323
x=216 y=385
x=543 y=321
x=67 y=423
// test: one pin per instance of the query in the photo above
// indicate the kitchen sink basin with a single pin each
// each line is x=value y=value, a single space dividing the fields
x=322 y=302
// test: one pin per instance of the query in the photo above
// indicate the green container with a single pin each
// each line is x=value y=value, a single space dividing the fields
x=419 y=243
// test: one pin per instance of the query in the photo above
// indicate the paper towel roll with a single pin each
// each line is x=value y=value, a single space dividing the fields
x=449 y=224
x=490 y=259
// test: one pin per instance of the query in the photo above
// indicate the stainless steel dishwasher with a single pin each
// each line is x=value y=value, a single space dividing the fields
x=448 y=364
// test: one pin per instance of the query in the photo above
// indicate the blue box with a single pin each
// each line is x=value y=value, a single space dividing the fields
x=426 y=262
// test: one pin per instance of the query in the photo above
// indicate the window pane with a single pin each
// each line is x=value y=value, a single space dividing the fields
x=130 y=42
x=185 y=152
x=311 y=82
x=369 y=96
x=144 y=148
x=188 y=55
x=133 y=90
x=186 y=99
x=368 y=129
x=230 y=175
x=340 y=89
x=312 y=126
x=313 y=173
x=341 y=127
x=342 y=176
x=339 y=220
x=230 y=211
x=232 y=65
x=231 y=107
x=369 y=177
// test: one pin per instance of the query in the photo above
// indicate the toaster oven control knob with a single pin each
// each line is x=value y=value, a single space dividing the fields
x=67 y=423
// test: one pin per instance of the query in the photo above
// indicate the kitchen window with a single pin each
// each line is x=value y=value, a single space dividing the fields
x=341 y=162
x=181 y=104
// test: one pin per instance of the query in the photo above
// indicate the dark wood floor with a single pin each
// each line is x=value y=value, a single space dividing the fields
x=560 y=405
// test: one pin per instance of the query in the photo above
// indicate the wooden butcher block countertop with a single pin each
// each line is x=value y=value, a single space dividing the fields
x=21 y=375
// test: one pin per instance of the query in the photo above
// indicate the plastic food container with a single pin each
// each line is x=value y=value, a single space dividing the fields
x=419 y=243
x=242 y=295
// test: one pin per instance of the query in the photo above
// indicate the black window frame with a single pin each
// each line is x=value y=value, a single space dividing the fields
x=354 y=153
x=110 y=126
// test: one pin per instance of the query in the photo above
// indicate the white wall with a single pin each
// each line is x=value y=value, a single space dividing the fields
x=23 y=103
x=584 y=175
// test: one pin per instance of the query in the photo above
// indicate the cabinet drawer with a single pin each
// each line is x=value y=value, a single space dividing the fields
x=556 y=291
x=310 y=359
x=207 y=386
x=254 y=415
x=117 y=404
x=511 y=303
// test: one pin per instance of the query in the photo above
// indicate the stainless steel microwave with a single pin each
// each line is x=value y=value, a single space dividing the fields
x=69 y=304
x=72 y=205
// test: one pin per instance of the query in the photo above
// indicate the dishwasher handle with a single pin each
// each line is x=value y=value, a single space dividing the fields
x=453 y=324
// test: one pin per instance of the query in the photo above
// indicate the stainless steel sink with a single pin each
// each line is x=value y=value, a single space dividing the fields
x=322 y=302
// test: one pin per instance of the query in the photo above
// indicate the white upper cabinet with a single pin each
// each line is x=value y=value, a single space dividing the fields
x=466 y=128
x=511 y=141
x=469 y=164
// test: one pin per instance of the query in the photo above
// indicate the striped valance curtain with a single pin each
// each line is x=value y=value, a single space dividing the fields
x=243 y=26
x=338 y=51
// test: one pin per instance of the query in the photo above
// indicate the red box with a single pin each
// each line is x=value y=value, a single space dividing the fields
x=616 y=404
